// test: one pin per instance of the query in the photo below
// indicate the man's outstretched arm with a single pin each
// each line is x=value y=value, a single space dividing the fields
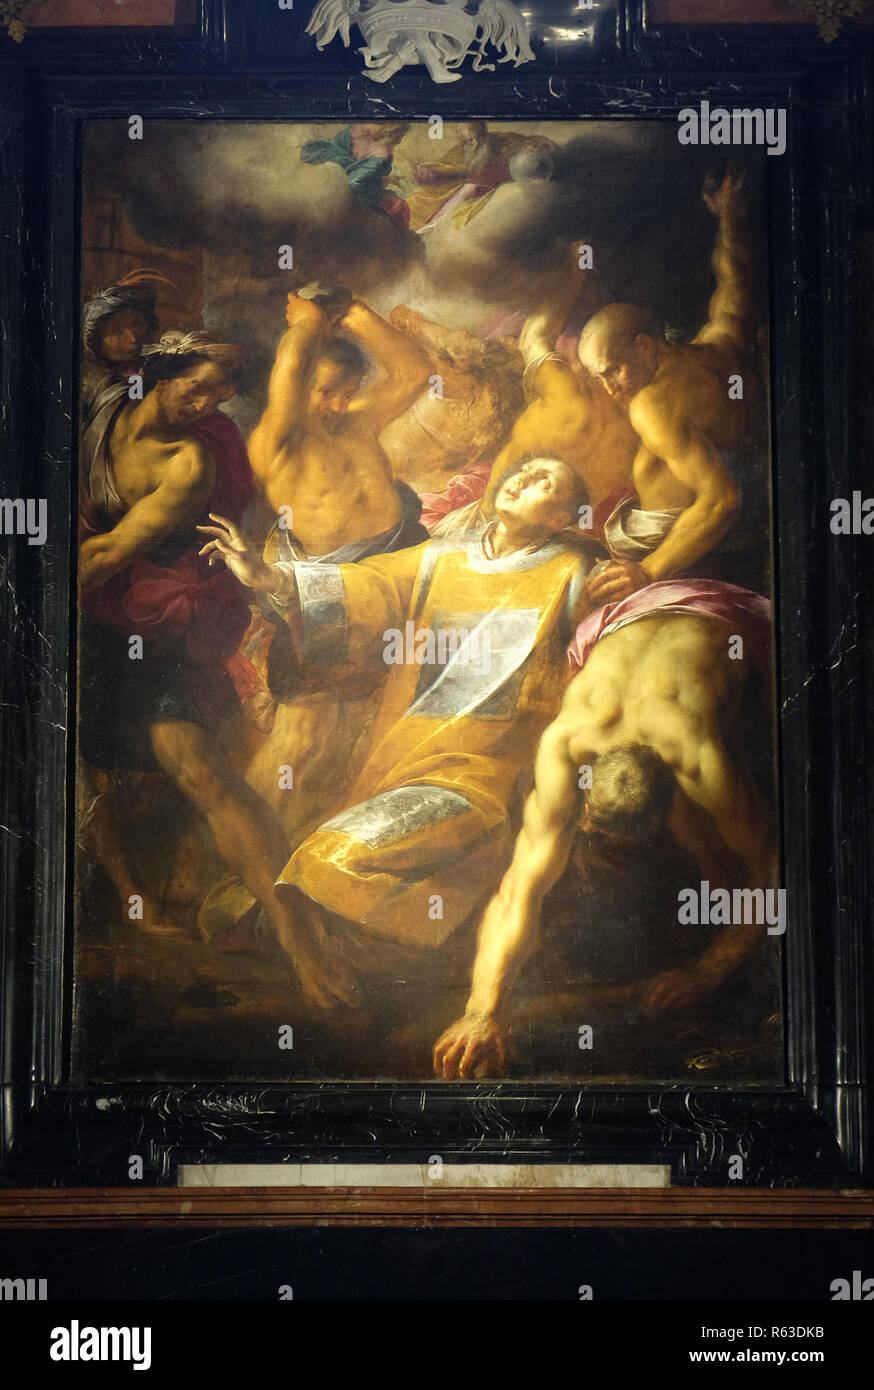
x=284 y=419
x=667 y=429
x=509 y=927
x=405 y=367
x=730 y=316
x=542 y=327
x=549 y=379
x=187 y=483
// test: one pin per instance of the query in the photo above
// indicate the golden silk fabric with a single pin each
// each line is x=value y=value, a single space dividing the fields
x=421 y=840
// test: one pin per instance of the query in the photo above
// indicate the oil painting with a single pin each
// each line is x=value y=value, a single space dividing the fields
x=425 y=718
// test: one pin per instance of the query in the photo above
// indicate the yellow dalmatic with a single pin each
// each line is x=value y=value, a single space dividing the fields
x=474 y=654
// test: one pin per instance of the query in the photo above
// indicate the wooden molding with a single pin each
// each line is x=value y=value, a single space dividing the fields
x=828 y=15
x=698 y=1208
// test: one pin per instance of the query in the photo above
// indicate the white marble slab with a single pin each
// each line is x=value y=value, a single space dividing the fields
x=420 y=1175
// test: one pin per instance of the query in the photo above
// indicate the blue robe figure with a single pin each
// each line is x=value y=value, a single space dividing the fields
x=366 y=162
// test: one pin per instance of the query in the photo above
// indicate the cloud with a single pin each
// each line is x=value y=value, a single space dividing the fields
x=242 y=191
x=631 y=193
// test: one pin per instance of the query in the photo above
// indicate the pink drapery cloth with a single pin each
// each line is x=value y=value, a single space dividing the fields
x=463 y=488
x=187 y=598
x=746 y=613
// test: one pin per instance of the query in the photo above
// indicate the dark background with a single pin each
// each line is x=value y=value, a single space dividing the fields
x=661 y=1265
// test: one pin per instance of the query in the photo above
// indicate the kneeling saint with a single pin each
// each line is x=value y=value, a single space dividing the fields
x=466 y=637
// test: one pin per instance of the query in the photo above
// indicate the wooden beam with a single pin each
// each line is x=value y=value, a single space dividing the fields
x=699 y=1208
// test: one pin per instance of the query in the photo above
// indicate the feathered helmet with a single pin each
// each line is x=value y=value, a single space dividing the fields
x=136 y=290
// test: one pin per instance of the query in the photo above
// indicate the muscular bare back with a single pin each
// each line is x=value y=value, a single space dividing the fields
x=665 y=681
x=572 y=419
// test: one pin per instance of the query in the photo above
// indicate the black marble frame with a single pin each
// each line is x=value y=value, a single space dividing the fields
x=252 y=60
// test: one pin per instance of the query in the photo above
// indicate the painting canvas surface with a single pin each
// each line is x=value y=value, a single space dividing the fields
x=425 y=705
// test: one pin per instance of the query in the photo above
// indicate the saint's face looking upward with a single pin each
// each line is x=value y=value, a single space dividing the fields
x=538 y=497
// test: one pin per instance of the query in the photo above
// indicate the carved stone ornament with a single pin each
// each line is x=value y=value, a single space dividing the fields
x=830 y=14
x=438 y=33
x=13 y=17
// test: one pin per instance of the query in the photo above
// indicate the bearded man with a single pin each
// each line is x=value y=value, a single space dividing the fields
x=158 y=631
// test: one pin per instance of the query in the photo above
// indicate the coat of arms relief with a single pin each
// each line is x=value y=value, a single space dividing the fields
x=437 y=33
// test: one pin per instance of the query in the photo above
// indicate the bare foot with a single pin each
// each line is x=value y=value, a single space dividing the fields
x=325 y=978
x=157 y=923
